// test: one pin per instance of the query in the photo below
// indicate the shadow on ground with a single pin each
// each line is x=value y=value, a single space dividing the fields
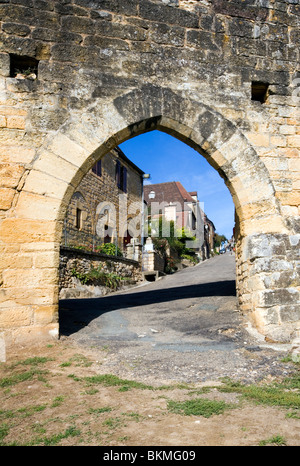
x=77 y=313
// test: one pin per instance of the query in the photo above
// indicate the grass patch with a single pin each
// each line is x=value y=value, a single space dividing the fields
x=113 y=423
x=30 y=410
x=105 y=409
x=4 y=431
x=57 y=438
x=26 y=375
x=35 y=361
x=276 y=440
x=285 y=394
x=23 y=412
x=22 y=377
x=58 y=400
x=109 y=380
x=198 y=407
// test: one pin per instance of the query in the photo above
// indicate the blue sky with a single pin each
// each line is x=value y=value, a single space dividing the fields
x=166 y=158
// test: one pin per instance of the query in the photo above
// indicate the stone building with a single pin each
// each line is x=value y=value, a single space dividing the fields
x=106 y=206
x=79 y=77
x=172 y=202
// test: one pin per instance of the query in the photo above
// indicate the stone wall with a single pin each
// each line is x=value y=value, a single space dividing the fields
x=222 y=76
x=269 y=271
x=102 y=205
x=74 y=262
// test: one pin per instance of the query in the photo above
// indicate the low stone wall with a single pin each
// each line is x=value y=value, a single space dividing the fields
x=81 y=262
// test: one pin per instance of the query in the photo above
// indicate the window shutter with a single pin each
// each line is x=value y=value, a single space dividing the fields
x=118 y=173
x=125 y=179
x=97 y=169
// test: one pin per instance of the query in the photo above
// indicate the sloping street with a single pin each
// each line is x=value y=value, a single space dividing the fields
x=183 y=327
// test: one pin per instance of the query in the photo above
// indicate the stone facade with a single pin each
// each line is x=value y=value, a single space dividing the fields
x=79 y=77
x=171 y=202
x=103 y=207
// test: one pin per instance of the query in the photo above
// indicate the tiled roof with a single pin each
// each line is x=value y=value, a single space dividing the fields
x=172 y=191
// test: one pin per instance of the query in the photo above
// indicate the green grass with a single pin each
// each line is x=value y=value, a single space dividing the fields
x=105 y=409
x=276 y=440
x=198 y=407
x=27 y=374
x=33 y=361
x=110 y=380
x=285 y=394
x=56 y=438
x=4 y=431
x=58 y=400
x=21 y=377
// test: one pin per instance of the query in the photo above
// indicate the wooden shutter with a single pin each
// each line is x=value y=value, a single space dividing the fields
x=124 y=187
x=118 y=173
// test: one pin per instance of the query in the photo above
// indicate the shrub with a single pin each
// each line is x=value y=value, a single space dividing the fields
x=98 y=277
x=109 y=249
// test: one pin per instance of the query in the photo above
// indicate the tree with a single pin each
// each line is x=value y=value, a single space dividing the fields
x=218 y=239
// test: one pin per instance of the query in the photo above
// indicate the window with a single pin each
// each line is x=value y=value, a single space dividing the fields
x=97 y=168
x=78 y=223
x=121 y=176
x=259 y=91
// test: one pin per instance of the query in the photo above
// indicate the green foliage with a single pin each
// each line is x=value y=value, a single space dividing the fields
x=109 y=249
x=192 y=258
x=98 y=277
x=218 y=240
x=174 y=240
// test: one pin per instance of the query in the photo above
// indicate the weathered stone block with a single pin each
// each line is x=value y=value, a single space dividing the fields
x=6 y=198
x=10 y=174
x=265 y=246
x=14 y=230
x=15 y=317
x=279 y=296
x=290 y=313
x=44 y=315
x=165 y=14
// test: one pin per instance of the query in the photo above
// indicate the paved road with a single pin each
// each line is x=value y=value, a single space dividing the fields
x=183 y=327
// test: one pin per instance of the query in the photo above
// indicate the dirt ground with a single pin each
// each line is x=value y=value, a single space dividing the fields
x=47 y=398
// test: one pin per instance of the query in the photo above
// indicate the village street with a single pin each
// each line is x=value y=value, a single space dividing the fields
x=184 y=327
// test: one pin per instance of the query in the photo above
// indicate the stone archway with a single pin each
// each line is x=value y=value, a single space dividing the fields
x=221 y=76
x=69 y=154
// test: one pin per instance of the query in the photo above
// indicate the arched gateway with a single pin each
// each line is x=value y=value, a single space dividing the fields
x=220 y=76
